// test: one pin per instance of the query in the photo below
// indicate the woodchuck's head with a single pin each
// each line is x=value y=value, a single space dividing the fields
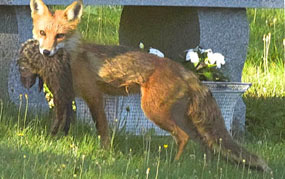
x=28 y=62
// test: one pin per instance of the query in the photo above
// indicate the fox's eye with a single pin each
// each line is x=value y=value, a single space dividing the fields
x=59 y=36
x=42 y=33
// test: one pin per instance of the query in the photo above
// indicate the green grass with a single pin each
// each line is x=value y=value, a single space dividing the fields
x=28 y=151
x=101 y=24
x=263 y=22
x=268 y=80
x=265 y=100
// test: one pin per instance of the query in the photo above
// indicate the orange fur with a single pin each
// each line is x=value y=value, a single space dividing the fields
x=172 y=97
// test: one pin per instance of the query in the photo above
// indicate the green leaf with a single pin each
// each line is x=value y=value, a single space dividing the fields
x=208 y=75
x=211 y=65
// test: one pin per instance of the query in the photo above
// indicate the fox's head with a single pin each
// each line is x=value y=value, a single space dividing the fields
x=53 y=29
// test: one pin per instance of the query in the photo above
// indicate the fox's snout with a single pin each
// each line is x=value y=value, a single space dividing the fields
x=52 y=51
x=46 y=52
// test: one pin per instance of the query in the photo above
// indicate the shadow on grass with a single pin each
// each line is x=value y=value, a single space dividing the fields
x=266 y=117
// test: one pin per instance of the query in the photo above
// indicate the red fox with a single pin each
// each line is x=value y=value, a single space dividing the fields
x=172 y=97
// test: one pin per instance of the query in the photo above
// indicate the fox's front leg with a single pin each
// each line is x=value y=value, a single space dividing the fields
x=96 y=106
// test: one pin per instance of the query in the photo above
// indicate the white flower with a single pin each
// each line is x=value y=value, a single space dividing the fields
x=156 y=52
x=141 y=45
x=220 y=60
x=211 y=58
x=217 y=58
x=206 y=50
x=192 y=56
x=51 y=103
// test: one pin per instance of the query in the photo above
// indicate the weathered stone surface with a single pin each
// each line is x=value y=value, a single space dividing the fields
x=24 y=20
x=226 y=31
x=172 y=30
x=197 y=3
x=8 y=44
x=16 y=27
x=238 y=124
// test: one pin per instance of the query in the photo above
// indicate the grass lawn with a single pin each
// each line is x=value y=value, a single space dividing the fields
x=28 y=151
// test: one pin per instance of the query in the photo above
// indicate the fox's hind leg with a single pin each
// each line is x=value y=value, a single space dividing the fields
x=181 y=139
x=162 y=118
x=179 y=135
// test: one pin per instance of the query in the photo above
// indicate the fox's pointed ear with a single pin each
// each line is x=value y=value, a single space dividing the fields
x=74 y=11
x=38 y=7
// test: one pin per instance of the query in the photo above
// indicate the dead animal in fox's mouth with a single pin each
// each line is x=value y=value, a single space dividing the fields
x=56 y=73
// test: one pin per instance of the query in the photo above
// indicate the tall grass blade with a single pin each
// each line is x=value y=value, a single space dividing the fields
x=266 y=39
x=19 y=111
x=158 y=162
x=26 y=109
x=1 y=109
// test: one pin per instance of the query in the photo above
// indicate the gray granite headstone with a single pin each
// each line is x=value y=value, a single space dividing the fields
x=226 y=31
x=16 y=30
x=172 y=30
x=223 y=27
x=193 y=3
x=8 y=45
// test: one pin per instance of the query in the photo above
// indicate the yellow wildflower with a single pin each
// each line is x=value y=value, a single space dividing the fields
x=147 y=171
x=20 y=134
x=72 y=146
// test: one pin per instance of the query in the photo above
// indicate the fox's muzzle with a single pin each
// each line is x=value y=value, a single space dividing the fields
x=46 y=52
x=51 y=52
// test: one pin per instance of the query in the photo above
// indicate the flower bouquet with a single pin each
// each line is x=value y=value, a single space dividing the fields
x=205 y=64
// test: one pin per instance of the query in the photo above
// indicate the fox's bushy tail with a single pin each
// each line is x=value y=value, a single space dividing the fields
x=211 y=127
